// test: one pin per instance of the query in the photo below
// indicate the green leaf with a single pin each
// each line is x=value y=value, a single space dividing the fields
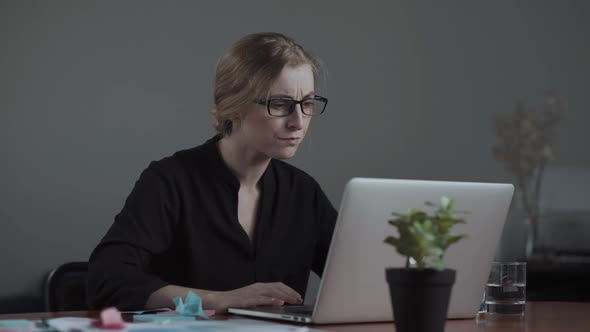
x=425 y=237
x=445 y=202
x=417 y=226
x=436 y=252
x=451 y=239
x=391 y=240
x=437 y=264
x=427 y=225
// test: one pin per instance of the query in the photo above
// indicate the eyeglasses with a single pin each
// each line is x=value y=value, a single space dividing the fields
x=285 y=106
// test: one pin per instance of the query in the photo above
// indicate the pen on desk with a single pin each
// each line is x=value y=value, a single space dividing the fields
x=44 y=326
x=42 y=323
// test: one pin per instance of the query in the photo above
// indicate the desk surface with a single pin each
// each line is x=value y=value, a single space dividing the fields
x=539 y=317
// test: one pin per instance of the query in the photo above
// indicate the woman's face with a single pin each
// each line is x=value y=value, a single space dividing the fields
x=279 y=137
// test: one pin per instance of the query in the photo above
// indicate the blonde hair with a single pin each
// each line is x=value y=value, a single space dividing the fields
x=246 y=71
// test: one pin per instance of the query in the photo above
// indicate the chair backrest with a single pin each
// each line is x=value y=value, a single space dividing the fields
x=65 y=287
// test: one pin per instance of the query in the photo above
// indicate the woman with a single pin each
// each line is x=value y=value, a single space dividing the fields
x=227 y=219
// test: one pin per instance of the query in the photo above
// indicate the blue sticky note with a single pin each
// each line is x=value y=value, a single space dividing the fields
x=192 y=305
x=15 y=323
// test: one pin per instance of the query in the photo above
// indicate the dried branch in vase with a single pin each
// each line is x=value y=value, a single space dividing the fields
x=525 y=145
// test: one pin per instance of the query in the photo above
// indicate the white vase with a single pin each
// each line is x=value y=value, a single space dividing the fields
x=531 y=237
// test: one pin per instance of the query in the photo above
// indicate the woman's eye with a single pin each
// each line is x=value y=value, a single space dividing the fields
x=308 y=104
x=279 y=104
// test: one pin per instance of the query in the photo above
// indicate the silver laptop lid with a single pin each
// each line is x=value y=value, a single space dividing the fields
x=353 y=287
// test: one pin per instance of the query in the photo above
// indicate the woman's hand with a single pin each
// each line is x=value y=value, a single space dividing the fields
x=258 y=294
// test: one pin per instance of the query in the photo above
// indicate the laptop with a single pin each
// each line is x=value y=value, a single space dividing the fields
x=353 y=288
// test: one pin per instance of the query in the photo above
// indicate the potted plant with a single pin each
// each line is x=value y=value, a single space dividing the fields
x=420 y=291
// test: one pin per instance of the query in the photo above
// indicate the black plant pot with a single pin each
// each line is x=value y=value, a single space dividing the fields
x=420 y=298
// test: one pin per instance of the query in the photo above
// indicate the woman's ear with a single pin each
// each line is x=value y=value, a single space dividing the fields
x=236 y=122
x=228 y=126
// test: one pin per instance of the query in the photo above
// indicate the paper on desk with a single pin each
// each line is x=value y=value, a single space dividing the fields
x=70 y=324
x=162 y=319
x=232 y=324
x=139 y=312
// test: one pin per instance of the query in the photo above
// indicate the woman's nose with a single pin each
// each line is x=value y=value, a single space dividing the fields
x=295 y=119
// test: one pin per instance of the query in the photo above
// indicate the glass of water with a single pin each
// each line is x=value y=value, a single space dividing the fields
x=505 y=291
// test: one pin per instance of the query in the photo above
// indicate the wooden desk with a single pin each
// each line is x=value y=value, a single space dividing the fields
x=540 y=317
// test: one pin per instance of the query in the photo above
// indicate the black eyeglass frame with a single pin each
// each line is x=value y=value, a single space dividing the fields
x=293 y=103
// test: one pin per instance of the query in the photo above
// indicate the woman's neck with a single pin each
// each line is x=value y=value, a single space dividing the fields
x=247 y=164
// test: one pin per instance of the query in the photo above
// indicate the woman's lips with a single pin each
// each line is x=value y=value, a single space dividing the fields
x=290 y=140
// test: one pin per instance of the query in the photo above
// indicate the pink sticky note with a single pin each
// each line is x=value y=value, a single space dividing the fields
x=110 y=318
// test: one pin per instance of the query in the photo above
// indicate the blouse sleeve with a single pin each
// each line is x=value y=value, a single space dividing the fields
x=326 y=221
x=119 y=266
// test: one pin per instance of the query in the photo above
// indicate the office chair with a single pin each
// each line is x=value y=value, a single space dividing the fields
x=65 y=287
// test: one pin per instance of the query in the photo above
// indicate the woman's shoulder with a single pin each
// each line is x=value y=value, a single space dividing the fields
x=173 y=161
x=185 y=161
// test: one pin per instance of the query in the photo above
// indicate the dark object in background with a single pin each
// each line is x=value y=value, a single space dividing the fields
x=559 y=268
x=20 y=304
x=558 y=280
x=65 y=287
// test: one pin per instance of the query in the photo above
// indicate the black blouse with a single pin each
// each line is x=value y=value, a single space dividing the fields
x=180 y=226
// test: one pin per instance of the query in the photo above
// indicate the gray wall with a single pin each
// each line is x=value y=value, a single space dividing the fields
x=92 y=91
